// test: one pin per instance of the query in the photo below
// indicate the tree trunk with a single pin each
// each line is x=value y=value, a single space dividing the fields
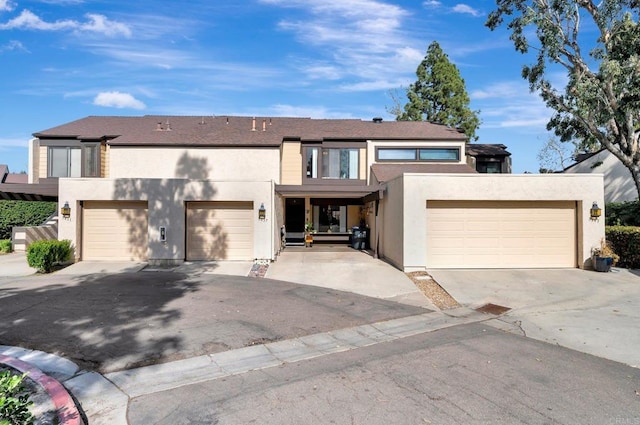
x=635 y=173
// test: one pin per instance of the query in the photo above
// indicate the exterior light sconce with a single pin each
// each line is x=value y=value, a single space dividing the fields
x=595 y=212
x=262 y=213
x=65 y=210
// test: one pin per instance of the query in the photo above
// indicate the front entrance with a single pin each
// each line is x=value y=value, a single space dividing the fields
x=294 y=220
x=330 y=219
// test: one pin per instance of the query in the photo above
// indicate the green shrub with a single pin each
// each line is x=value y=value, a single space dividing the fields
x=14 y=400
x=625 y=241
x=5 y=246
x=622 y=213
x=23 y=213
x=44 y=255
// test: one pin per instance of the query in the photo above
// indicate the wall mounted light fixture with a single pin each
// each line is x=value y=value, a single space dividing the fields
x=262 y=212
x=65 y=211
x=595 y=212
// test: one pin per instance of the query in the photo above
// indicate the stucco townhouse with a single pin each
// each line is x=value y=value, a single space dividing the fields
x=166 y=189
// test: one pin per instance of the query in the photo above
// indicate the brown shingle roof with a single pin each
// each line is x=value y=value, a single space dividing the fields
x=386 y=172
x=479 y=149
x=225 y=131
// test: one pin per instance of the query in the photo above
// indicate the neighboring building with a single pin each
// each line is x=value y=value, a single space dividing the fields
x=171 y=188
x=489 y=158
x=12 y=178
x=618 y=183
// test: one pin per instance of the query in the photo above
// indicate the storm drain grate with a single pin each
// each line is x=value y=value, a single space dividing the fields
x=494 y=309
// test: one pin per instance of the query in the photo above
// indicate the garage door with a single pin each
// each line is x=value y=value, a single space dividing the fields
x=114 y=230
x=220 y=231
x=475 y=234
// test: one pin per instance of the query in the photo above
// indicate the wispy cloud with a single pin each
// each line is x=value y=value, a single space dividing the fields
x=12 y=142
x=95 y=23
x=13 y=45
x=119 y=100
x=509 y=104
x=361 y=39
x=6 y=5
x=466 y=9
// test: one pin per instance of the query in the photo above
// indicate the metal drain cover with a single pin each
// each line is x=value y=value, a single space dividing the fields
x=494 y=309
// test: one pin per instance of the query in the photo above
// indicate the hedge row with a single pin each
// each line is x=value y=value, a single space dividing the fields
x=23 y=213
x=622 y=213
x=45 y=255
x=625 y=241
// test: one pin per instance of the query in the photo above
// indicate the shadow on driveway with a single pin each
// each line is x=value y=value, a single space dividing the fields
x=112 y=322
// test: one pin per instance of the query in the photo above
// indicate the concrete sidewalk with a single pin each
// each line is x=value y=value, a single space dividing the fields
x=15 y=264
x=591 y=312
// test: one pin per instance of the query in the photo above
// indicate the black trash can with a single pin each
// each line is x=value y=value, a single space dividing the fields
x=356 y=237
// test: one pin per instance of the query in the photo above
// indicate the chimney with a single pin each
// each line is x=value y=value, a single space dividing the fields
x=253 y=124
x=377 y=120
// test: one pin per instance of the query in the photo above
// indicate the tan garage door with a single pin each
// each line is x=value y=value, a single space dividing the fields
x=220 y=231
x=114 y=230
x=478 y=234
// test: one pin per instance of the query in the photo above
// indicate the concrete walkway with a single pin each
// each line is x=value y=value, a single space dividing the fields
x=15 y=264
x=346 y=269
x=587 y=311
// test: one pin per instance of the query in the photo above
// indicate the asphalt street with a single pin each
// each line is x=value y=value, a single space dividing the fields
x=469 y=374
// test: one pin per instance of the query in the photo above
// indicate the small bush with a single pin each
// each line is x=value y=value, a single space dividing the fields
x=44 y=255
x=622 y=213
x=5 y=246
x=625 y=241
x=14 y=400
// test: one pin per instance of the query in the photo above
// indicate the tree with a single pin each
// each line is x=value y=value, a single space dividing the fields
x=555 y=155
x=439 y=95
x=599 y=107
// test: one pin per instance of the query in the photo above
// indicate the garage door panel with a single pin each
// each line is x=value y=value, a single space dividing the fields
x=497 y=234
x=220 y=230
x=113 y=230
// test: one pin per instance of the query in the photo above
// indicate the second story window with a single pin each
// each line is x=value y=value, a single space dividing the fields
x=332 y=163
x=65 y=162
x=74 y=161
x=418 y=154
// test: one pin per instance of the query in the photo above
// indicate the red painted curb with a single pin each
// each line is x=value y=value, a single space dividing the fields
x=65 y=407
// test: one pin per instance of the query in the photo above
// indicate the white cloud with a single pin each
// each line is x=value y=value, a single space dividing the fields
x=21 y=142
x=95 y=24
x=431 y=3
x=6 y=5
x=501 y=90
x=466 y=9
x=283 y=110
x=102 y=25
x=119 y=100
x=13 y=45
x=361 y=39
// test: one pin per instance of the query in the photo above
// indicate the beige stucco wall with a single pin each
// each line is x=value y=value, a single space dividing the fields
x=406 y=199
x=166 y=202
x=390 y=223
x=43 y=163
x=34 y=161
x=618 y=183
x=291 y=163
x=219 y=164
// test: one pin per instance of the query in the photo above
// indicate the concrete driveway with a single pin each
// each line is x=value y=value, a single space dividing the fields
x=346 y=269
x=15 y=264
x=595 y=313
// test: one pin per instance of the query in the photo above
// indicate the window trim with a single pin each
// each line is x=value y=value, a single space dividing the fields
x=417 y=150
x=84 y=149
x=320 y=180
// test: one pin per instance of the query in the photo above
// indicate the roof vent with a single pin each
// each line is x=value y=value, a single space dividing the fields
x=377 y=120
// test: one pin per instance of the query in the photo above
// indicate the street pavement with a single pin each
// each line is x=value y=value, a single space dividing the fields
x=190 y=345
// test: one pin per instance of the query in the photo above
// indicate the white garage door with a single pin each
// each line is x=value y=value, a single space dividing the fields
x=114 y=230
x=220 y=231
x=496 y=234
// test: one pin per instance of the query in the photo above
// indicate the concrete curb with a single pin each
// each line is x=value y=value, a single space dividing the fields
x=66 y=409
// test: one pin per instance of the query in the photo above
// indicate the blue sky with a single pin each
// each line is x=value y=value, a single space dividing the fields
x=66 y=59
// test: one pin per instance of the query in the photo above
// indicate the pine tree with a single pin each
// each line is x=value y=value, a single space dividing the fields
x=439 y=95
